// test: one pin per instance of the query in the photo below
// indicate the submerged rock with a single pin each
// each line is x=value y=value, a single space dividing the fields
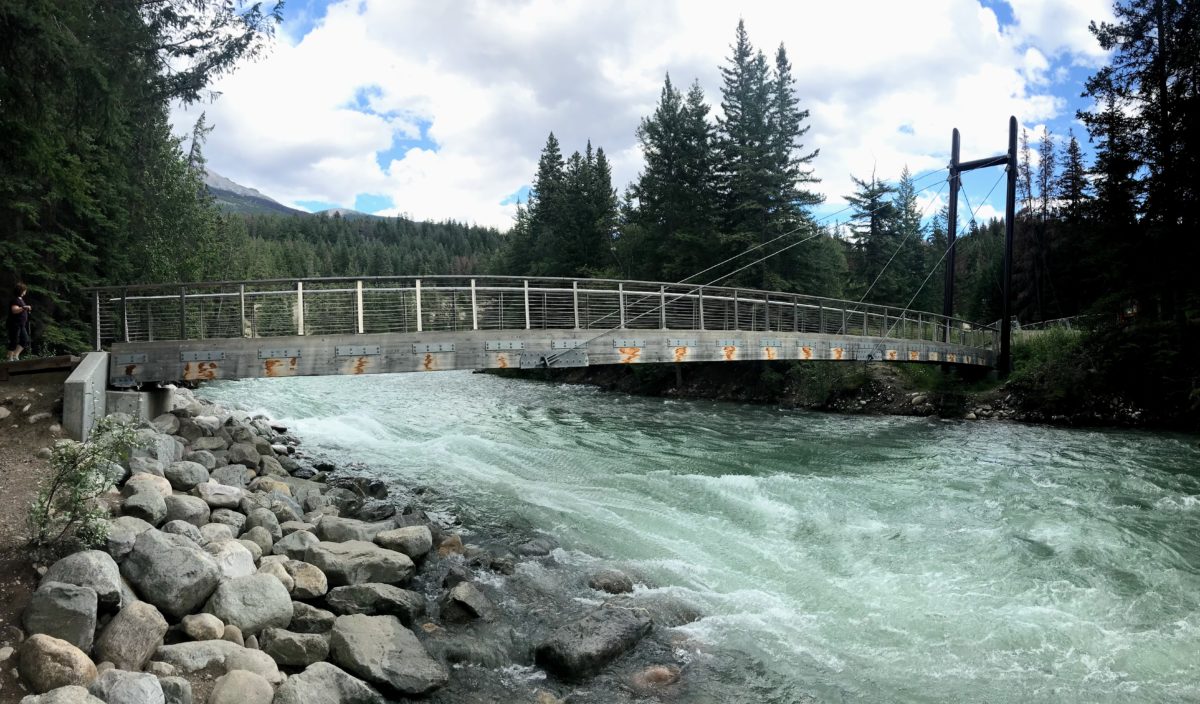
x=585 y=646
x=466 y=603
x=611 y=581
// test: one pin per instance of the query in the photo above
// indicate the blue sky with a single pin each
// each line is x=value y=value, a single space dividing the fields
x=438 y=111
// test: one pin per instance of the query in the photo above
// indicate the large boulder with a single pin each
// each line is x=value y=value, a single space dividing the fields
x=291 y=649
x=414 y=541
x=185 y=529
x=48 y=663
x=218 y=495
x=132 y=636
x=236 y=520
x=64 y=611
x=377 y=600
x=241 y=687
x=184 y=475
x=234 y=475
x=295 y=545
x=123 y=531
x=204 y=458
x=261 y=537
x=149 y=506
x=176 y=690
x=310 y=619
x=233 y=559
x=145 y=465
x=309 y=582
x=123 y=687
x=382 y=651
x=139 y=483
x=263 y=518
x=187 y=508
x=207 y=444
x=465 y=603
x=218 y=656
x=339 y=530
x=325 y=683
x=167 y=424
x=583 y=647
x=171 y=572
x=245 y=454
x=93 y=569
x=252 y=603
x=215 y=533
x=203 y=627
x=358 y=562
x=71 y=694
x=611 y=581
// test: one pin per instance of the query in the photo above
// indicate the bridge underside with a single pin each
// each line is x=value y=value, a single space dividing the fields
x=239 y=358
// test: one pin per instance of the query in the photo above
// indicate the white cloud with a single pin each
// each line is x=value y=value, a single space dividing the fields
x=885 y=82
x=1062 y=26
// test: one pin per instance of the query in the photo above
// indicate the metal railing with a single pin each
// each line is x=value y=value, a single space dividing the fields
x=341 y=306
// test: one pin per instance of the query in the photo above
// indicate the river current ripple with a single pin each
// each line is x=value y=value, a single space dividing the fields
x=855 y=559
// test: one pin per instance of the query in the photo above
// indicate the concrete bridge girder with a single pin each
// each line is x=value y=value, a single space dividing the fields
x=237 y=358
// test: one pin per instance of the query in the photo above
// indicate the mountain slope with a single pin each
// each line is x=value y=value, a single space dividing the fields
x=232 y=197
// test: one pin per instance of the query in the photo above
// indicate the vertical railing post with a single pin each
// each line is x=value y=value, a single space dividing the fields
x=96 y=319
x=360 y=328
x=701 y=301
x=767 y=312
x=737 y=323
x=299 y=307
x=795 y=315
x=821 y=317
x=419 y=316
x=843 y=330
x=662 y=307
x=575 y=301
x=182 y=312
x=527 y=322
x=621 y=303
x=474 y=308
x=242 y=309
x=125 y=314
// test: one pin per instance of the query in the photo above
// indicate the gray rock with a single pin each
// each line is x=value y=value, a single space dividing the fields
x=122 y=532
x=171 y=572
x=271 y=467
x=145 y=465
x=261 y=537
x=146 y=482
x=291 y=649
x=160 y=669
x=47 y=663
x=208 y=423
x=376 y=510
x=148 y=506
x=185 y=529
x=244 y=454
x=382 y=651
x=63 y=611
x=278 y=571
x=233 y=634
x=377 y=600
x=115 y=473
x=167 y=424
x=252 y=603
x=71 y=694
x=611 y=581
x=465 y=603
x=325 y=683
x=308 y=580
x=93 y=569
x=218 y=495
x=263 y=518
x=414 y=541
x=203 y=627
x=124 y=687
x=358 y=562
x=189 y=431
x=132 y=636
x=187 y=508
x=310 y=619
x=185 y=475
x=233 y=559
x=234 y=475
x=284 y=507
x=289 y=527
x=234 y=519
x=216 y=533
x=176 y=690
x=241 y=687
x=295 y=545
x=583 y=647
x=204 y=458
x=339 y=530
x=213 y=444
x=220 y=656
x=254 y=548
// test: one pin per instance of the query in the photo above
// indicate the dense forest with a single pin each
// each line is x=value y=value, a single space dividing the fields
x=95 y=188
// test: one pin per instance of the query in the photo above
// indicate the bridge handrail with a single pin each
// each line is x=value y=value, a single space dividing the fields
x=198 y=310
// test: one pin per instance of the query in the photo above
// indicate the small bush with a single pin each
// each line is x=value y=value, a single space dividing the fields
x=65 y=513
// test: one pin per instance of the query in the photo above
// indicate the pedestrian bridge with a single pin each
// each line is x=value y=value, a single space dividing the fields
x=308 y=327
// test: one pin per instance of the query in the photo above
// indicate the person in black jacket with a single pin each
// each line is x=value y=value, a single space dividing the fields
x=18 y=323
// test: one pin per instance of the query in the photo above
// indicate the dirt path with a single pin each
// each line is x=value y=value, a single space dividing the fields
x=21 y=472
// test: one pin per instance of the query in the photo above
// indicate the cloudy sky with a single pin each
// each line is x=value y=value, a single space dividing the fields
x=438 y=110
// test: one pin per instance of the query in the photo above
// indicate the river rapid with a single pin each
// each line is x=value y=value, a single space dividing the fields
x=844 y=558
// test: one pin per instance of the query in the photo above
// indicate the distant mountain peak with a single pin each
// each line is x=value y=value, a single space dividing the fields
x=233 y=197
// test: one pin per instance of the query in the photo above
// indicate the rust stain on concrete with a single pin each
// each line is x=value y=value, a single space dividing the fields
x=914 y=356
x=502 y=361
x=892 y=355
x=275 y=367
x=629 y=355
x=806 y=353
x=200 y=371
x=131 y=370
x=360 y=365
x=951 y=357
x=836 y=352
x=680 y=353
x=771 y=353
x=429 y=364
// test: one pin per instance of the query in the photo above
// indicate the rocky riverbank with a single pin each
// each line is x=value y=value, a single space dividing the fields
x=237 y=569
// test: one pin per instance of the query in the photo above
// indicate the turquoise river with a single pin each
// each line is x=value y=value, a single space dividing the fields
x=854 y=559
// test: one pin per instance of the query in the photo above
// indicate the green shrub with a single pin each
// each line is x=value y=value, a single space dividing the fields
x=65 y=513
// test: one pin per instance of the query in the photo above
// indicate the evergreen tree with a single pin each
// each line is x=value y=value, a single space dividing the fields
x=873 y=227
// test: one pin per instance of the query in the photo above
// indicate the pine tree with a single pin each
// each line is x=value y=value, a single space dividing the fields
x=1072 y=187
x=873 y=229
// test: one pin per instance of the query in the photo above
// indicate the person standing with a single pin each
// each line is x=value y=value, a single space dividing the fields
x=18 y=323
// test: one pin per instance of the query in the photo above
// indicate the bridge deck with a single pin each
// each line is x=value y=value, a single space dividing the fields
x=319 y=327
